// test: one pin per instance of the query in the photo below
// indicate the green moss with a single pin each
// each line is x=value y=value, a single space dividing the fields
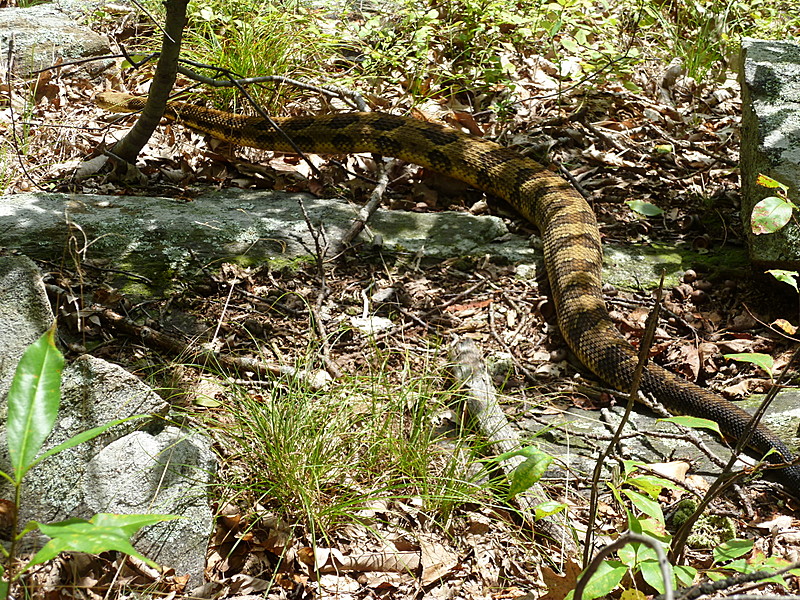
x=709 y=531
x=639 y=266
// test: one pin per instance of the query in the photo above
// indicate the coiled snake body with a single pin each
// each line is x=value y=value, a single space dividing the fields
x=572 y=249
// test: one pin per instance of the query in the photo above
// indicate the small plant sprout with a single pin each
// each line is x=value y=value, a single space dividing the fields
x=773 y=212
x=34 y=399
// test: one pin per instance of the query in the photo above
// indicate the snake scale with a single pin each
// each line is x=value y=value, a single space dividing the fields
x=571 y=239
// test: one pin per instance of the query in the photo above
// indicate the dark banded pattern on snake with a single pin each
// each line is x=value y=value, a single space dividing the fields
x=571 y=239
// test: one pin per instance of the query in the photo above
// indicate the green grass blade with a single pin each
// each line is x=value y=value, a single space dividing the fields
x=33 y=401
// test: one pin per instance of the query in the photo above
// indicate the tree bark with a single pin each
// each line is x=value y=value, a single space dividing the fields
x=128 y=148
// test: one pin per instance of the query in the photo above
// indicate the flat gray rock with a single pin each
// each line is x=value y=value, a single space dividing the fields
x=164 y=240
x=165 y=473
x=580 y=429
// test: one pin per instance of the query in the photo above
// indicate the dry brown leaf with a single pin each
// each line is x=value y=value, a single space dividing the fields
x=558 y=586
x=735 y=346
x=437 y=561
x=676 y=469
x=330 y=560
x=784 y=326
x=467 y=121
x=737 y=390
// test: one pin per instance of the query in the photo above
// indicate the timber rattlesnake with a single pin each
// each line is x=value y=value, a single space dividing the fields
x=572 y=250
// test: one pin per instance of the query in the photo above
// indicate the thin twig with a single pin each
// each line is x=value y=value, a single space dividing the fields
x=13 y=136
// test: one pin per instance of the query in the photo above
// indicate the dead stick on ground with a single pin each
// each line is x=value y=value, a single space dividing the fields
x=205 y=358
x=369 y=208
x=481 y=400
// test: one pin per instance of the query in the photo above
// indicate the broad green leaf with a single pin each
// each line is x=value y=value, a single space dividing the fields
x=527 y=452
x=651 y=484
x=33 y=401
x=715 y=575
x=761 y=562
x=655 y=528
x=645 y=504
x=694 y=423
x=651 y=573
x=769 y=182
x=647 y=209
x=607 y=577
x=129 y=523
x=102 y=533
x=135 y=58
x=760 y=360
x=627 y=555
x=685 y=575
x=732 y=549
x=89 y=541
x=740 y=565
x=629 y=466
x=569 y=44
x=789 y=277
x=529 y=472
x=770 y=214
x=545 y=509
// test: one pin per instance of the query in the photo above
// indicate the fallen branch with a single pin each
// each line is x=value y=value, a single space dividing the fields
x=203 y=358
x=470 y=371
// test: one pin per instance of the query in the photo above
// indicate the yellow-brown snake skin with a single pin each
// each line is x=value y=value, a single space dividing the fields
x=572 y=250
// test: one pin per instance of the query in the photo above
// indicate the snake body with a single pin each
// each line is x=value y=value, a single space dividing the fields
x=571 y=239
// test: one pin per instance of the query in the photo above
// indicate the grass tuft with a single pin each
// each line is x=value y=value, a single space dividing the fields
x=318 y=458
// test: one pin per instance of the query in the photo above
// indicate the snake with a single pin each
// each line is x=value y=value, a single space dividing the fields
x=573 y=254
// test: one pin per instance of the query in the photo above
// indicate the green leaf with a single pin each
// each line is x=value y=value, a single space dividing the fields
x=651 y=484
x=770 y=214
x=645 y=505
x=644 y=208
x=527 y=452
x=731 y=549
x=655 y=528
x=760 y=360
x=740 y=565
x=545 y=509
x=529 y=472
x=33 y=401
x=715 y=576
x=685 y=575
x=137 y=58
x=629 y=466
x=789 y=277
x=607 y=577
x=101 y=533
x=694 y=423
x=130 y=523
x=651 y=573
